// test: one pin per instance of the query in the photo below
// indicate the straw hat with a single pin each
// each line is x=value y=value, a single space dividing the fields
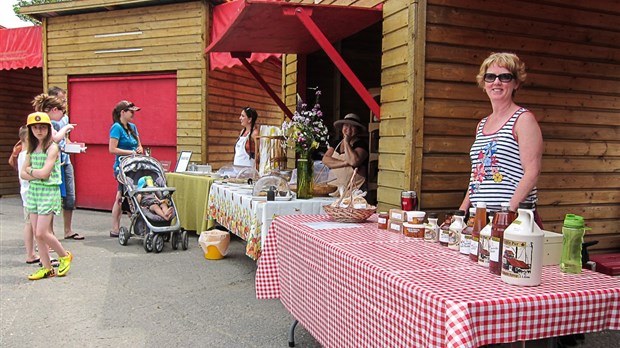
x=38 y=117
x=351 y=119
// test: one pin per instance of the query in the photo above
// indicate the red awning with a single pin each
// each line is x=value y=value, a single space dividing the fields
x=263 y=26
x=21 y=48
x=269 y=26
x=223 y=16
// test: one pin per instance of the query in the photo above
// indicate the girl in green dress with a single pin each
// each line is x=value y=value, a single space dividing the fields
x=42 y=168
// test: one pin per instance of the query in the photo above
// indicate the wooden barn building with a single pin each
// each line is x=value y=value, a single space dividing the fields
x=421 y=58
x=151 y=52
x=21 y=78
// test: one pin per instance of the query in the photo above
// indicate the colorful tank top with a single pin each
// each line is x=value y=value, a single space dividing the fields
x=496 y=168
x=37 y=160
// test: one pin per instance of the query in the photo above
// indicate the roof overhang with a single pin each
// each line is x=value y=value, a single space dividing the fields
x=65 y=8
x=244 y=27
x=21 y=48
x=272 y=27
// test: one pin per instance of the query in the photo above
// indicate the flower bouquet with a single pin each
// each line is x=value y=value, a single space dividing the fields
x=304 y=133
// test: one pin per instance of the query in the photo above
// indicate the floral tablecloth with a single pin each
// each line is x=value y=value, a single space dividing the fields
x=233 y=207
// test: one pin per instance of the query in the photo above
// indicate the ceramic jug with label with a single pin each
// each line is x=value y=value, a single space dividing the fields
x=523 y=249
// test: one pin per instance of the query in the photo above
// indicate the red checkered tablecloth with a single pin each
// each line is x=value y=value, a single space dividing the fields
x=365 y=287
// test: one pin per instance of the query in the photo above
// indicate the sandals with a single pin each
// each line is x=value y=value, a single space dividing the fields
x=113 y=234
x=75 y=236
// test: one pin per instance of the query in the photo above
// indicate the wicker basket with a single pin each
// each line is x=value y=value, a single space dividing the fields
x=348 y=214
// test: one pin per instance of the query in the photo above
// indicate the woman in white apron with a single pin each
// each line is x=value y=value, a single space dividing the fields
x=350 y=153
x=244 y=148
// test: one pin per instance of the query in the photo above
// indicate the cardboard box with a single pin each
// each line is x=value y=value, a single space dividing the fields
x=552 y=249
x=395 y=226
x=397 y=214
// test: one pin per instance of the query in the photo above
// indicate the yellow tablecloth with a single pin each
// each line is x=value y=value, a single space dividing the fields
x=191 y=199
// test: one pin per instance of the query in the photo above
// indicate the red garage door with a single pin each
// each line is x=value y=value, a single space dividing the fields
x=91 y=100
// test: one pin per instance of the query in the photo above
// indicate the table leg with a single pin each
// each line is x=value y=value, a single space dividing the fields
x=291 y=333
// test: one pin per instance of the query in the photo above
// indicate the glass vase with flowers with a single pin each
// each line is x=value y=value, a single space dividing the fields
x=305 y=133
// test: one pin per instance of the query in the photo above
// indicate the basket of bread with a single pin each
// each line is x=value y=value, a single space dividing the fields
x=351 y=206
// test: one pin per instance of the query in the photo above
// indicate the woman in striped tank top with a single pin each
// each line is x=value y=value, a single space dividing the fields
x=506 y=154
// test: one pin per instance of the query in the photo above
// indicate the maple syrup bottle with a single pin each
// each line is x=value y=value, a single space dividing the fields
x=479 y=222
x=444 y=230
x=501 y=221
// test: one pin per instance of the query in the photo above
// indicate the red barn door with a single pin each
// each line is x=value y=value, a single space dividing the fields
x=91 y=100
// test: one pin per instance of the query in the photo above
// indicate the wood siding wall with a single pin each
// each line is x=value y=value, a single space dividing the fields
x=17 y=89
x=572 y=56
x=172 y=39
x=430 y=103
x=230 y=90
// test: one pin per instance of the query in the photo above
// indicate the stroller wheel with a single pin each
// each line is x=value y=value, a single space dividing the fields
x=185 y=240
x=174 y=240
x=123 y=236
x=148 y=242
x=158 y=243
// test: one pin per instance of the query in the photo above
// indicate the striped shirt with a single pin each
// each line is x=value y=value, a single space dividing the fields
x=37 y=161
x=496 y=168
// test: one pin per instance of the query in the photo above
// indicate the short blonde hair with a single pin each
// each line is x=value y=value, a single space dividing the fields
x=506 y=60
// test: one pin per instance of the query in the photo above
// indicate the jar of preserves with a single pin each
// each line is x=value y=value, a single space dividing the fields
x=382 y=220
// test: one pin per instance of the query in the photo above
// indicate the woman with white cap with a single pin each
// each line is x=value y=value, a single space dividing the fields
x=352 y=151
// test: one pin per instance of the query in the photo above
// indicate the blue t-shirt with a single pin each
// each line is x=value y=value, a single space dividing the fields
x=64 y=157
x=125 y=140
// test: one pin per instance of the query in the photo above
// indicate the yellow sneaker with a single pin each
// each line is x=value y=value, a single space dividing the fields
x=65 y=264
x=42 y=273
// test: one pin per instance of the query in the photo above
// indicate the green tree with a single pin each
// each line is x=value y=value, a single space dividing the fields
x=20 y=3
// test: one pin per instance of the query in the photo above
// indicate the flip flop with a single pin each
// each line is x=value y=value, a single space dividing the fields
x=33 y=261
x=113 y=234
x=54 y=262
x=75 y=236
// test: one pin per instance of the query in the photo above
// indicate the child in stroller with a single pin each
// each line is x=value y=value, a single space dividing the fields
x=144 y=200
x=154 y=201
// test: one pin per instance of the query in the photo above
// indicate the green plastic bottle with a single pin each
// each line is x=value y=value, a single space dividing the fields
x=572 y=231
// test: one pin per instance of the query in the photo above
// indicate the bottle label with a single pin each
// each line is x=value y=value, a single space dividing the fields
x=382 y=220
x=494 y=249
x=517 y=259
x=473 y=246
x=444 y=236
x=483 y=255
x=465 y=244
x=454 y=238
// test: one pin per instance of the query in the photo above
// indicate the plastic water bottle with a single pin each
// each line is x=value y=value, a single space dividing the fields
x=572 y=231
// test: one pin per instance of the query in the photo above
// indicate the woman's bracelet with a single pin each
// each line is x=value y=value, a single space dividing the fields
x=31 y=172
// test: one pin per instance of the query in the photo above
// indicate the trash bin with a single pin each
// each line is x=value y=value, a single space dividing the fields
x=214 y=244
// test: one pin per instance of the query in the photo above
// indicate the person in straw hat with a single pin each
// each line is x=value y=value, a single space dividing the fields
x=351 y=152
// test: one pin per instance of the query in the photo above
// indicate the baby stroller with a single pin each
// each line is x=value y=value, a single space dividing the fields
x=154 y=229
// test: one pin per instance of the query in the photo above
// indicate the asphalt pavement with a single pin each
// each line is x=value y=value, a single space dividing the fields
x=121 y=296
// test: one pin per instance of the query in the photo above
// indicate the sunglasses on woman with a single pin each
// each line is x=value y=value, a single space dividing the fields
x=488 y=77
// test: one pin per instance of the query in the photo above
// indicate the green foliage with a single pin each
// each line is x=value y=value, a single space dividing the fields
x=20 y=3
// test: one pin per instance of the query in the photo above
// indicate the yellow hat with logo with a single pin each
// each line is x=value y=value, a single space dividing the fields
x=38 y=117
